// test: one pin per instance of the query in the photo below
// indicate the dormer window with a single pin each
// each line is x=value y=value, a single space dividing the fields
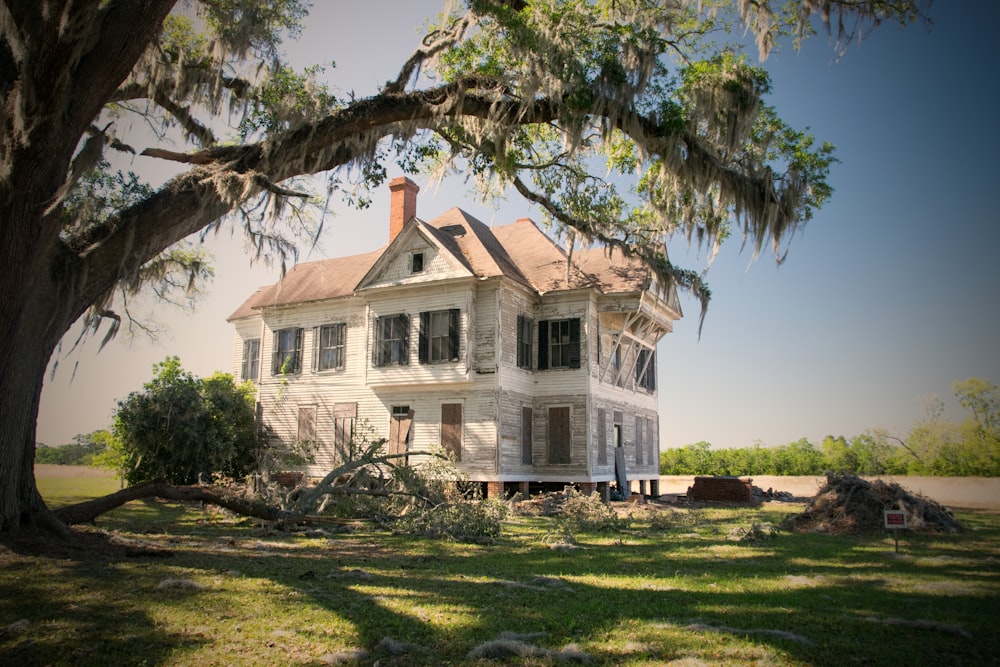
x=417 y=262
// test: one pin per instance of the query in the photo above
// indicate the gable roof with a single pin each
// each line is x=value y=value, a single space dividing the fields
x=520 y=252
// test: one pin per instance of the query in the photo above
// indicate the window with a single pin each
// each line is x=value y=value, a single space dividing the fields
x=559 y=435
x=438 y=336
x=251 y=360
x=523 y=342
x=645 y=369
x=330 y=347
x=392 y=341
x=287 y=351
x=559 y=344
x=417 y=262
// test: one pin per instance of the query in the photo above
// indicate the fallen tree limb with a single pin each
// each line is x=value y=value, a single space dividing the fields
x=88 y=511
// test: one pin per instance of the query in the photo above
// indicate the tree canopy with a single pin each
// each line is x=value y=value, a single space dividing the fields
x=628 y=121
x=183 y=429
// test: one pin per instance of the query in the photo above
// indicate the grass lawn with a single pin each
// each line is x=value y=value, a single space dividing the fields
x=186 y=586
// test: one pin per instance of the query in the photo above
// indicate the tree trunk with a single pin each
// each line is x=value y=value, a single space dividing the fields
x=22 y=369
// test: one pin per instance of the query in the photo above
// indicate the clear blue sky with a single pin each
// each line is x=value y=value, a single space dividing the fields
x=888 y=296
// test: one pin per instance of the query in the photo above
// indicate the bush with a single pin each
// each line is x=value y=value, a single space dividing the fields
x=181 y=428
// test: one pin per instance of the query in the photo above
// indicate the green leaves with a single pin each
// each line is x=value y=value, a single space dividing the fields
x=181 y=428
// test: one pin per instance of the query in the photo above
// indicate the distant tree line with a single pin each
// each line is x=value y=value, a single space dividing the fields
x=83 y=451
x=932 y=447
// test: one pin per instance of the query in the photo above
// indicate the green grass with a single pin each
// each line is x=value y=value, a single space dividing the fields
x=686 y=594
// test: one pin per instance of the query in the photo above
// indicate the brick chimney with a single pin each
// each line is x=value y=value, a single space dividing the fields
x=403 y=204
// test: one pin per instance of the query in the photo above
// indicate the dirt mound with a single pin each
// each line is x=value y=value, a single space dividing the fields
x=849 y=504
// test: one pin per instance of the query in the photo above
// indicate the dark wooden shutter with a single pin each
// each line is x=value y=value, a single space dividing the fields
x=451 y=429
x=526 y=431
x=423 y=338
x=638 y=441
x=298 y=350
x=454 y=325
x=602 y=437
x=404 y=322
x=654 y=443
x=524 y=342
x=275 y=352
x=543 y=345
x=652 y=370
x=559 y=440
x=574 y=343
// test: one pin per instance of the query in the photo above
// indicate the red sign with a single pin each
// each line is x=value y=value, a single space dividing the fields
x=895 y=519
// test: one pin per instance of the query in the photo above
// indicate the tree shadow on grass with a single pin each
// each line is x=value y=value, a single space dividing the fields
x=357 y=599
x=63 y=602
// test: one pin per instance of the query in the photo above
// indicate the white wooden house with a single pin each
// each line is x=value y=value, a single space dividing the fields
x=486 y=342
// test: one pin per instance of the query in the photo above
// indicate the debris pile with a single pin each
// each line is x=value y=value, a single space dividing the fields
x=760 y=495
x=721 y=489
x=848 y=504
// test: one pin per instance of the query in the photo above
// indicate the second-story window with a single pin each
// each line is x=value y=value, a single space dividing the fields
x=645 y=370
x=287 y=351
x=417 y=262
x=392 y=341
x=330 y=347
x=251 y=360
x=439 y=333
x=559 y=344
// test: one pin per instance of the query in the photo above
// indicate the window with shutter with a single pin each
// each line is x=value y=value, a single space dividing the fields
x=645 y=370
x=392 y=334
x=559 y=343
x=330 y=349
x=438 y=336
x=287 y=352
x=251 y=360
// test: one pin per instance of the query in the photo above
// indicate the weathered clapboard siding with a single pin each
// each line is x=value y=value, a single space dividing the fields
x=511 y=430
x=396 y=269
x=411 y=302
x=617 y=401
x=484 y=325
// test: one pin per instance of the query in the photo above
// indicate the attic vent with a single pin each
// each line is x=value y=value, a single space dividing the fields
x=454 y=230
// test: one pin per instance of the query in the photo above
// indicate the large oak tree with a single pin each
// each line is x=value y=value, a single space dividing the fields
x=562 y=100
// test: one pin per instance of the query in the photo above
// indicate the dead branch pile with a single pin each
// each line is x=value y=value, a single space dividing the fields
x=848 y=504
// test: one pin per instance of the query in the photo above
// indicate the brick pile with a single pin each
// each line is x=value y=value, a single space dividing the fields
x=721 y=489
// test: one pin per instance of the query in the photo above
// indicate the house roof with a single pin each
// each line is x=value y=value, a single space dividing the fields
x=311 y=281
x=519 y=251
